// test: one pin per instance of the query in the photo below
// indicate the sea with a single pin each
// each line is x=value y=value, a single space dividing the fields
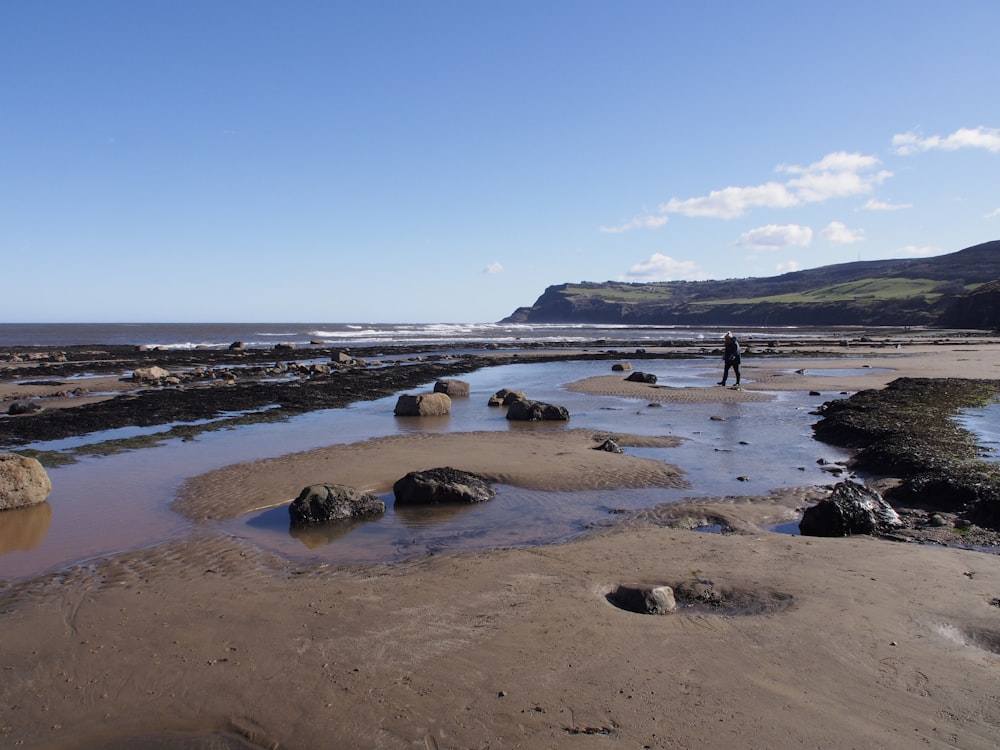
x=266 y=335
x=107 y=504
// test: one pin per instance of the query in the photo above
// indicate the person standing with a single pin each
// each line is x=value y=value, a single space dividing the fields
x=730 y=358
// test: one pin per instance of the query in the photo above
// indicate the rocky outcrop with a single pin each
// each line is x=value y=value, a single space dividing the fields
x=324 y=503
x=422 y=405
x=642 y=377
x=850 y=509
x=907 y=430
x=536 y=411
x=23 y=482
x=442 y=485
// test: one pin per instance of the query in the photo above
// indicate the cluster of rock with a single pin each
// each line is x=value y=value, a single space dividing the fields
x=330 y=503
x=23 y=482
x=158 y=376
x=438 y=403
x=16 y=357
x=327 y=503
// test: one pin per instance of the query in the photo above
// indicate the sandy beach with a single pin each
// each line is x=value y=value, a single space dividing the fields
x=208 y=642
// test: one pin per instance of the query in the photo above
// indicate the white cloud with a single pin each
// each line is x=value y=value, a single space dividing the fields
x=493 y=268
x=911 y=143
x=639 y=222
x=775 y=237
x=993 y=214
x=836 y=175
x=731 y=202
x=661 y=267
x=839 y=234
x=792 y=265
x=877 y=205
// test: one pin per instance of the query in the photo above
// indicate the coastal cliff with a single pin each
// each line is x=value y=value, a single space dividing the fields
x=943 y=290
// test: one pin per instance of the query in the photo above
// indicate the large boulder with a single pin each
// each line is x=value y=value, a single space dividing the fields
x=149 y=374
x=536 y=411
x=23 y=481
x=850 y=509
x=505 y=397
x=452 y=388
x=642 y=377
x=442 y=485
x=323 y=503
x=621 y=367
x=423 y=405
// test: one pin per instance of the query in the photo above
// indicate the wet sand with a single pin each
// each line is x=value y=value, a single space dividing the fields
x=206 y=641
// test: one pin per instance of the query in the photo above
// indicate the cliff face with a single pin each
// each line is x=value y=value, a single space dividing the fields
x=924 y=292
x=978 y=309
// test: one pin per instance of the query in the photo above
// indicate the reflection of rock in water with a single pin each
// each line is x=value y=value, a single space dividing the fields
x=421 y=516
x=321 y=535
x=24 y=528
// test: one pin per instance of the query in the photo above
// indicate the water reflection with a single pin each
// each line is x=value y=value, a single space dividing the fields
x=24 y=528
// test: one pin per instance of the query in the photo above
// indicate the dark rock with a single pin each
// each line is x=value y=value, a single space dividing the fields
x=851 y=509
x=323 y=503
x=236 y=346
x=536 y=411
x=23 y=407
x=442 y=485
x=642 y=377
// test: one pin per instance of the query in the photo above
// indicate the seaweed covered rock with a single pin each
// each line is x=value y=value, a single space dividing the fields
x=850 y=509
x=908 y=430
x=642 y=377
x=443 y=485
x=323 y=503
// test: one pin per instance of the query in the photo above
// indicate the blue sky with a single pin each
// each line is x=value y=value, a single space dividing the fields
x=446 y=161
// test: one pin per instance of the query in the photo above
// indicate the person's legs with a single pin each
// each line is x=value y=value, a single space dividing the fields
x=736 y=372
x=725 y=374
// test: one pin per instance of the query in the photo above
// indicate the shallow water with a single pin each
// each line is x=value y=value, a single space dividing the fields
x=984 y=423
x=109 y=504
